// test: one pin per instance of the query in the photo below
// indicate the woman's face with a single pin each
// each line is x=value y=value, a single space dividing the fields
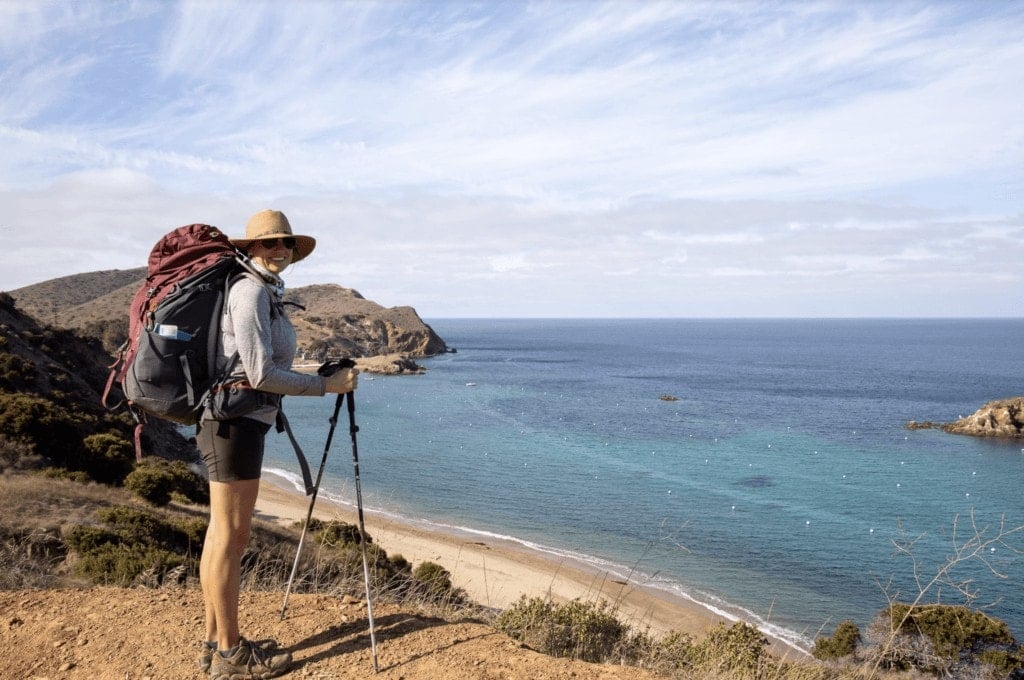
x=275 y=254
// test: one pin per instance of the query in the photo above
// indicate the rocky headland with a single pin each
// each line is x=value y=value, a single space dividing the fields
x=1000 y=418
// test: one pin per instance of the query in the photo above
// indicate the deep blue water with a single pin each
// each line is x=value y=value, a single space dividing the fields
x=773 y=489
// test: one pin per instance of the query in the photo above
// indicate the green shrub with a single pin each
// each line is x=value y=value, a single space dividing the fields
x=16 y=373
x=400 y=564
x=151 y=483
x=842 y=642
x=575 y=629
x=947 y=640
x=740 y=648
x=85 y=539
x=131 y=542
x=157 y=481
x=120 y=564
x=50 y=429
x=437 y=580
x=337 y=534
x=65 y=436
x=70 y=475
x=673 y=652
x=110 y=457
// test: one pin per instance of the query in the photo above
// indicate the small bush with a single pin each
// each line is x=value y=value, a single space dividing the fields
x=70 y=475
x=400 y=564
x=843 y=642
x=110 y=457
x=740 y=649
x=337 y=534
x=47 y=427
x=16 y=373
x=120 y=564
x=84 y=539
x=673 y=652
x=131 y=542
x=575 y=629
x=437 y=580
x=157 y=481
x=947 y=640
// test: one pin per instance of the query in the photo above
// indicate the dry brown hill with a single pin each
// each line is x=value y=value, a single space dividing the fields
x=51 y=300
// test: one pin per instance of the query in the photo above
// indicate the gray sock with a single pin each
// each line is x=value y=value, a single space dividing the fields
x=229 y=653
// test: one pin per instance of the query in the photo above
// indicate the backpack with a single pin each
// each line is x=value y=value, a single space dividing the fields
x=168 y=363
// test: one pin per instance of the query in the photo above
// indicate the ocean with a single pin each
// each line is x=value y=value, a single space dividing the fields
x=780 y=486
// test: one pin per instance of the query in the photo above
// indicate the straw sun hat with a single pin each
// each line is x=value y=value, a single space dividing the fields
x=273 y=224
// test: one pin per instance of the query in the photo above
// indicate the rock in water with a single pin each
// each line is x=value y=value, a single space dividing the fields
x=1000 y=418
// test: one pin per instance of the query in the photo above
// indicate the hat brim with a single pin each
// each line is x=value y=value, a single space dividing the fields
x=304 y=245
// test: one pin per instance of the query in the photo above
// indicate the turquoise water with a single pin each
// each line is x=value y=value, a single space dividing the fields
x=771 y=490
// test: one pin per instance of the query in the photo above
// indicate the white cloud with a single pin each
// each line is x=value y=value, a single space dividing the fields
x=475 y=159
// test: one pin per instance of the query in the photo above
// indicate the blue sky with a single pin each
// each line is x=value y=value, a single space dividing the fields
x=680 y=159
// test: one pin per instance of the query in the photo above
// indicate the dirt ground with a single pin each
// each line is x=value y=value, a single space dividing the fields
x=132 y=634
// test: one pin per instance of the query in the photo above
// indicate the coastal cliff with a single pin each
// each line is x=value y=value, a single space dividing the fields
x=999 y=418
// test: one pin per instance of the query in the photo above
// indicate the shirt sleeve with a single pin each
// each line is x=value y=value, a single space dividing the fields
x=267 y=368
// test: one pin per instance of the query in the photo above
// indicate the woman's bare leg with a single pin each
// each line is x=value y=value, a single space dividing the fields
x=231 y=509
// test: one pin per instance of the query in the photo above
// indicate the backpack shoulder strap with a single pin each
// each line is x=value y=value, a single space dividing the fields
x=276 y=305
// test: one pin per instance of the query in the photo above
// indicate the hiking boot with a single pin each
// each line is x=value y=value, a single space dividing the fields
x=250 y=662
x=206 y=651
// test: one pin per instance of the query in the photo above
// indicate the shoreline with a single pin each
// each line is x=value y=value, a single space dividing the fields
x=495 y=572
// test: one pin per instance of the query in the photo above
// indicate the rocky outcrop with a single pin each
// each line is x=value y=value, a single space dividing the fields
x=390 y=364
x=340 y=321
x=1000 y=418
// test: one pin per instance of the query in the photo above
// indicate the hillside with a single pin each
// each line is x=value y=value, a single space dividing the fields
x=51 y=301
x=51 y=382
x=336 y=320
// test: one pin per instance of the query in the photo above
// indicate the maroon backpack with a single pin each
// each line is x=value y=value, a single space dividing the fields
x=168 y=363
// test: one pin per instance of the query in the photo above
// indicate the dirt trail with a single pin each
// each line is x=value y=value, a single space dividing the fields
x=132 y=634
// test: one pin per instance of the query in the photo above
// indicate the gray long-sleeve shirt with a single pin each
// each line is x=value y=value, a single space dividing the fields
x=256 y=326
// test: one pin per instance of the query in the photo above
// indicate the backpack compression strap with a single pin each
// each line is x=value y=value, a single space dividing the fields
x=282 y=425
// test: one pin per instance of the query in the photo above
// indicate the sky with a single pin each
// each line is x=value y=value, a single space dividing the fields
x=548 y=159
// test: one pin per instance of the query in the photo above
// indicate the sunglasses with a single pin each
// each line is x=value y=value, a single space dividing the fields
x=271 y=243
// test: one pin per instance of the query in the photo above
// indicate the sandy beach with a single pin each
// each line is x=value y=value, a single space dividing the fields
x=495 y=573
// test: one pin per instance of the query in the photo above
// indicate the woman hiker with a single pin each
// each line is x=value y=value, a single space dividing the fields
x=256 y=327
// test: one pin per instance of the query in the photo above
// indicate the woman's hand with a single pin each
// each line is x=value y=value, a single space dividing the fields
x=344 y=380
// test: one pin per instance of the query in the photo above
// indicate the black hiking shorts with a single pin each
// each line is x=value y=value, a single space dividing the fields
x=232 y=449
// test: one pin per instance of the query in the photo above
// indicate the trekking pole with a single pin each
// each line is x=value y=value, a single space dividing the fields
x=327 y=369
x=353 y=428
